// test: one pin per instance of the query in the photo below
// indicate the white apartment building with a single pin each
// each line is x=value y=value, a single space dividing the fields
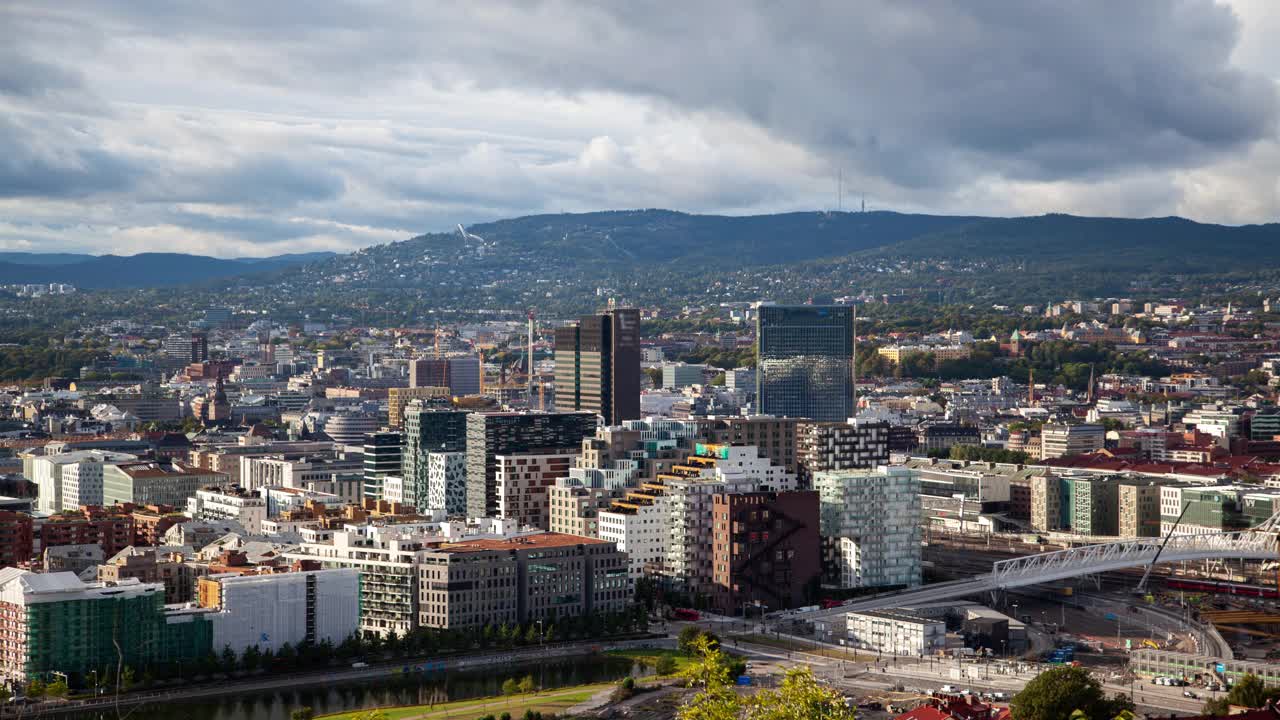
x=47 y=471
x=386 y=558
x=286 y=499
x=214 y=505
x=870 y=524
x=639 y=530
x=896 y=632
x=522 y=482
x=82 y=483
x=340 y=474
x=447 y=482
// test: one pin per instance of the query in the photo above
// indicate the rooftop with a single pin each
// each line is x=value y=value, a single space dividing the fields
x=523 y=542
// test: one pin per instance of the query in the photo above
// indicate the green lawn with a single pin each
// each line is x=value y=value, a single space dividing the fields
x=651 y=655
x=551 y=701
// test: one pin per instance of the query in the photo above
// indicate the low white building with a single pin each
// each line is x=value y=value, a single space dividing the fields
x=214 y=504
x=895 y=632
x=47 y=474
x=294 y=607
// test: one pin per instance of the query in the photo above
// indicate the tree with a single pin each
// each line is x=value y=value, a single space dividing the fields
x=799 y=696
x=710 y=667
x=36 y=689
x=228 y=659
x=57 y=689
x=686 y=638
x=510 y=687
x=1248 y=692
x=665 y=665
x=526 y=685
x=1057 y=693
x=302 y=713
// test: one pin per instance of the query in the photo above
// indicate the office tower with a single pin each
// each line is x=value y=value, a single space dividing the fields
x=428 y=430
x=598 y=366
x=805 y=361
x=192 y=348
x=460 y=374
x=492 y=434
x=383 y=452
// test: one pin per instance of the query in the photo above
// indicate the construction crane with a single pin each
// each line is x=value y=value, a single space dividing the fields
x=1141 y=589
x=529 y=364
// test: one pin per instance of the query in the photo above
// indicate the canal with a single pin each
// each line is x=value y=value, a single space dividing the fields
x=394 y=689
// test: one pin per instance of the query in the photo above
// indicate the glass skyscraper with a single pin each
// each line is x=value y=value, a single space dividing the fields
x=805 y=361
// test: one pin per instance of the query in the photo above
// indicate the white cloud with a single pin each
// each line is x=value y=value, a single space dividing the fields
x=252 y=129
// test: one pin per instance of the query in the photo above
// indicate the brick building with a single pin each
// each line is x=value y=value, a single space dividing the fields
x=767 y=550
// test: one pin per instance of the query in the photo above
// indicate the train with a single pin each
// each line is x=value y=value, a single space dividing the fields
x=1217 y=587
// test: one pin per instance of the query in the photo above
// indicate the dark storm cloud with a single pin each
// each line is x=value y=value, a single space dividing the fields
x=36 y=164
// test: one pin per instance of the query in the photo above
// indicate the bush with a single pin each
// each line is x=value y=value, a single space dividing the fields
x=505 y=716
x=628 y=683
x=665 y=665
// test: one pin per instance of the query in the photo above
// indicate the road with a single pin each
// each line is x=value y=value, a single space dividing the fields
x=878 y=679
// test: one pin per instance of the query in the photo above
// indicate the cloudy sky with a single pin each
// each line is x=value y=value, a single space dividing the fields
x=256 y=128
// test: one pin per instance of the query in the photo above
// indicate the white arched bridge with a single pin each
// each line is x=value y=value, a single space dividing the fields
x=1259 y=543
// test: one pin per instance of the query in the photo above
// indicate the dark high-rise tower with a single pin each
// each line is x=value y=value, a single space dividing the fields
x=492 y=434
x=805 y=360
x=598 y=366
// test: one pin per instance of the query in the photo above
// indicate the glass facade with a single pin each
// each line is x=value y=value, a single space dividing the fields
x=805 y=361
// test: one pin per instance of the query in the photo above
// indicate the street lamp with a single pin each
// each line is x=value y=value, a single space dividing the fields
x=542 y=666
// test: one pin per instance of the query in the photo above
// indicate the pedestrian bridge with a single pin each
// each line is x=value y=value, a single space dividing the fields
x=1259 y=543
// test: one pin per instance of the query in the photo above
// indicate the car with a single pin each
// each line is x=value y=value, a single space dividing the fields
x=999 y=696
x=948 y=689
x=359 y=664
x=1190 y=694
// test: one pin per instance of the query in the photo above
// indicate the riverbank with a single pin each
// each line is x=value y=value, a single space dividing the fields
x=331 y=677
x=552 y=701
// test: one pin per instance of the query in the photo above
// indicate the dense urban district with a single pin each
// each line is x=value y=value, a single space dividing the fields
x=782 y=493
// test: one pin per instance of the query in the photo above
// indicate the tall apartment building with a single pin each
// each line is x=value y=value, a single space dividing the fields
x=154 y=483
x=522 y=481
x=1046 y=503
x=1094 y=504
x=429 y=430
x=492 y=434
x=447 y=483
x=775 y=437
x=1062 y=440
x=870 y=522
x=387 y=560
x=383 y=456
x=575 y=508
x=641 y=527
x=688 y=490
x=766 y=549
x=460 y=374
x=825 y=446
x=598 y=365
x=546 y=576
x=805 y=361
x=82 y=483
x=1139 y=508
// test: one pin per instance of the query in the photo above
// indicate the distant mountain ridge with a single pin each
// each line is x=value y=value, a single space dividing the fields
x=136 y=271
